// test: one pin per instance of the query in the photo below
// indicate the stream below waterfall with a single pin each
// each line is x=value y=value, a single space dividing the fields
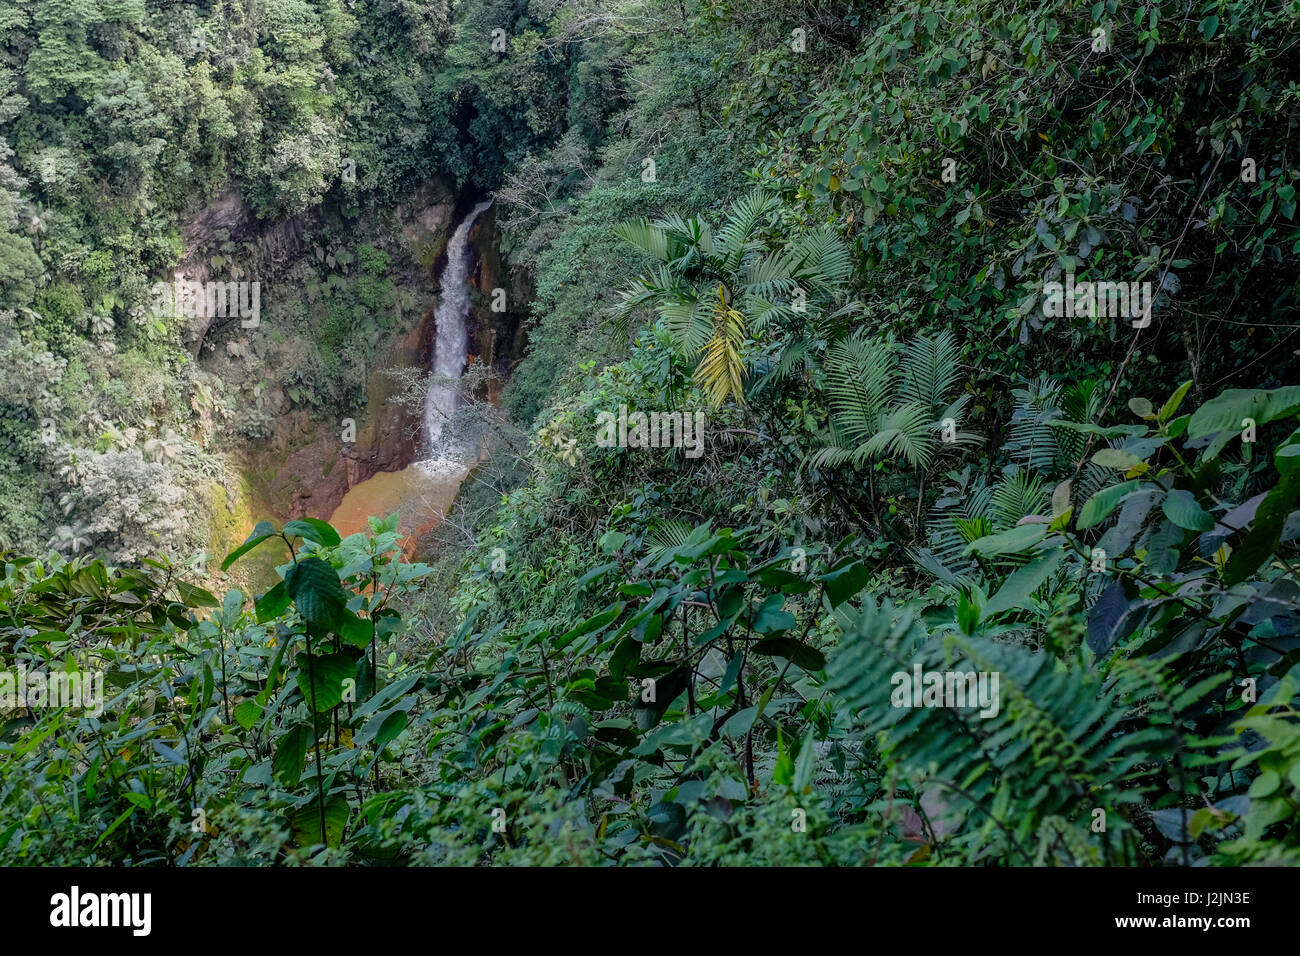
x=424 y=491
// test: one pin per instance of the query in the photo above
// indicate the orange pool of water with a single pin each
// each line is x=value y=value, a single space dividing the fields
x=422 y=499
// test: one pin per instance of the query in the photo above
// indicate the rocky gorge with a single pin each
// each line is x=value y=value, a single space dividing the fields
x=307 y=464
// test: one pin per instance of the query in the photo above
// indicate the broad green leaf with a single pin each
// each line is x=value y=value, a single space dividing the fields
x=168 y=753
x=847 y=578
x=231 y=606
x=1015 y=591
x=1110 y=618
x=1168 y=409
x=314 y=530
x=1227 y=412
x=1099 y=507
x=595 y=573
x=667 y=688
x=626 y=653
x=392 y=725
x=1012 y=541
x=291 y=755
x=384 y=727
x=305 y=822
x=321 y=679
x=247 y=712
x=787 y=582
x=272 y=604
x=770 y=619
x=809 y=658
x=739 y=723
x=1181 y=507
x=594 y=623
x=316 y=592
x=1116 y=458
x=358 y=631
x=1061 y=498
x=783 y=770
x=260 y=533
x=611 y=541
x=1265 y=533
x=805 y=766
x=195 y=596
x=716 y=631
x=1265 y=785
x=388 y=525
x=732 y=672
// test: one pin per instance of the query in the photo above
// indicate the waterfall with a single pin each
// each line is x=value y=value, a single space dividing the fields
x=452 y=340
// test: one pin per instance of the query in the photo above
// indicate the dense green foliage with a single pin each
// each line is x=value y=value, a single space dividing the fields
x=826 y=227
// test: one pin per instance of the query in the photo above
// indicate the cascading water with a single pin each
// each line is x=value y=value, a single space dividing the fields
x=451 y=341
x=424 y=491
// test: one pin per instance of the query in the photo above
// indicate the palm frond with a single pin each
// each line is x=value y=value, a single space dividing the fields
x=691 y=240
x=1079 y=402
x=788 y=357
x=859 y=378
x=770 y=277
x=871 y=418
x=762 y=312
x=822 y=259
x=646 y=236
x=929 y=370
x=1017 y=496
x=957 y=413
x=1033 y=443
x=689 y=323
x=830 y=456
x=904 y=431
x=665 y=536
x=958 y=510
x=721 y=371
x=736 y=237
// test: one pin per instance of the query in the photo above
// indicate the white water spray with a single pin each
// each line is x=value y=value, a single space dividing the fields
x=451 y=341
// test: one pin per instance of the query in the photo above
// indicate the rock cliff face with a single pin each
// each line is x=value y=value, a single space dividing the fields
x=496 y=336
x=303 y=467
x=426 y=224
x=226 y=220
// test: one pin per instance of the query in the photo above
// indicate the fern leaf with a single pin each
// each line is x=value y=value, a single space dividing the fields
x=1046 y=742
